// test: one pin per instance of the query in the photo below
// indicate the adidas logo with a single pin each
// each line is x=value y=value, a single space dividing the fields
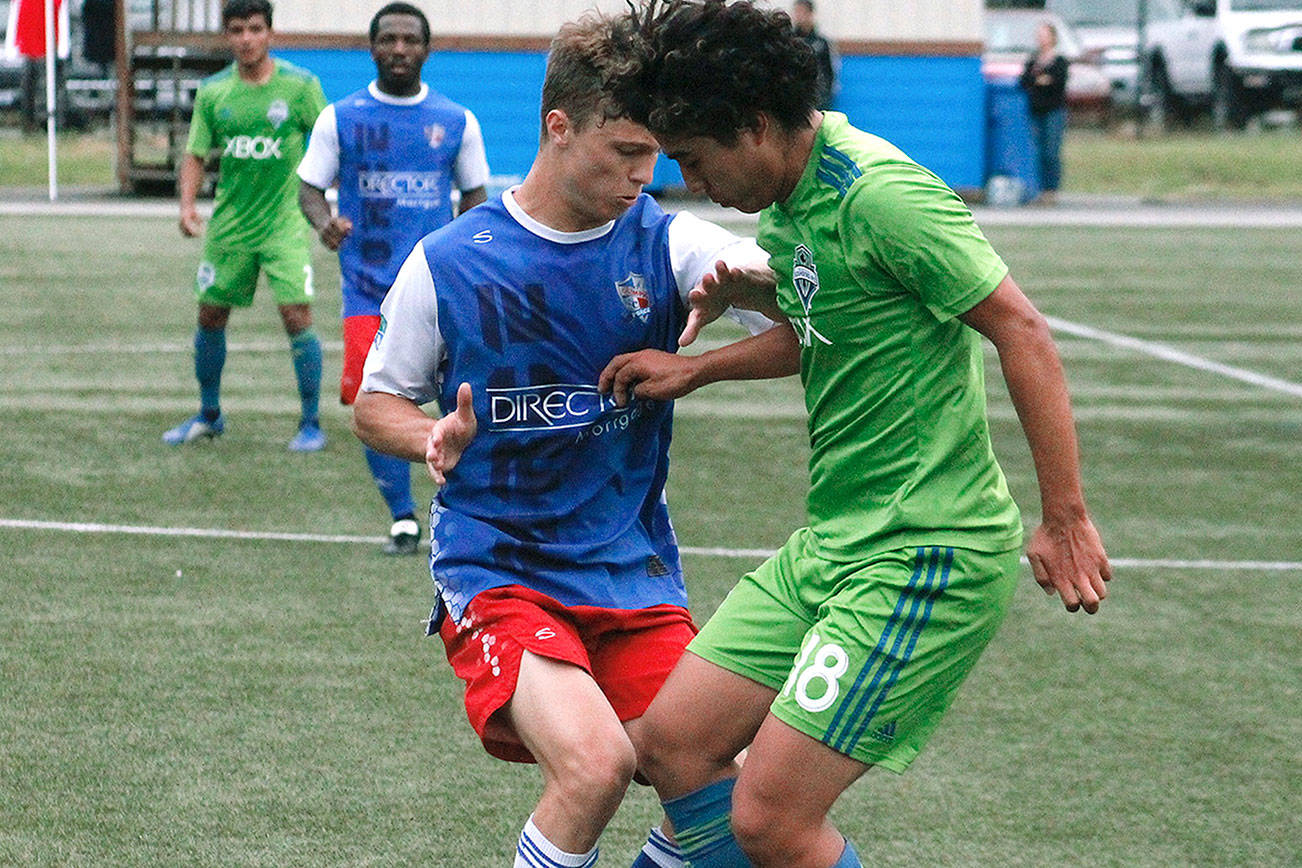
x=885 y=732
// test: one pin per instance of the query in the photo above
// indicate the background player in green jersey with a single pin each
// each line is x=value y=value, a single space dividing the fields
x=845 y=649
x=258 y=113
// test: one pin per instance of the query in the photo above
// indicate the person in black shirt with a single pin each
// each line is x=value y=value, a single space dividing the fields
x=1045 y=81
x=829 y=64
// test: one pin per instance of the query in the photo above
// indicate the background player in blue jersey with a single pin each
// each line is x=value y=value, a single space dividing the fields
x=561 y=600
x=396 y=149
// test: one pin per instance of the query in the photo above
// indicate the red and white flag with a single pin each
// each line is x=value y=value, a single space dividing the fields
x=25 y=35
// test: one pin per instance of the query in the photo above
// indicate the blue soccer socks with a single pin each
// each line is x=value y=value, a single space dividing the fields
x=849 y=857
x=703 y=826
x=535 y=851
x=306 y=349
x=209 y=360
x=659 y=852
x=393 y=478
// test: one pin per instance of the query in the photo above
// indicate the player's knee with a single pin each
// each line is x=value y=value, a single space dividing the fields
x=667 y=750
x=598 y=774
x=656 y=746
x=764 y=831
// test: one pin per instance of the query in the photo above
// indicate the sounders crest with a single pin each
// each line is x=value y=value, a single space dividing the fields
x=278 y=112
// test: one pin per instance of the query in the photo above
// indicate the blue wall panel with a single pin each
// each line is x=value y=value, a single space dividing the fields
x=933 y=108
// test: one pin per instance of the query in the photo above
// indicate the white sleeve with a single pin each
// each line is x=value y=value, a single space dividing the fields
x=696 y=244
x=405 y=358
x=471 y=169
x=320 y=164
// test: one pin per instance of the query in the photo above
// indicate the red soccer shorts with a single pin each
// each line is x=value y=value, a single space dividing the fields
x=359 y=334
x=628 y=652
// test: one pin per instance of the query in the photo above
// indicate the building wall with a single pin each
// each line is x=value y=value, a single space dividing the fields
x=870 y=20
x=931 y=107
x=910 y=69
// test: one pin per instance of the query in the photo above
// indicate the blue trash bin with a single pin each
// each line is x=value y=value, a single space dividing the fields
x=1009 y=151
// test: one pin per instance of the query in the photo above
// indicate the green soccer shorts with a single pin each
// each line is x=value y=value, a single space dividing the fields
x=866 y=656
x=228 y=277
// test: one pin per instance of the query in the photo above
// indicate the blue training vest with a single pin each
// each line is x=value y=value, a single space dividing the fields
x=561 y=491
x=395 y=184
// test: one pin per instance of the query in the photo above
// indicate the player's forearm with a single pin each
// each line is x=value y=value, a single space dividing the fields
x=189 y=181
x=392 y=425
x=773 y=353
x=1038 y=388
x=312 y=202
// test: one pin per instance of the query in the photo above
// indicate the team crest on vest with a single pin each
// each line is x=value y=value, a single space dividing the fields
x=436 y=133
x=804 y=274
x=278 y=112
x=632 y=292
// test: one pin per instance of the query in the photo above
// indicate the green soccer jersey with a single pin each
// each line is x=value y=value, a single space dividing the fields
x=875 y=258
x=261 y=131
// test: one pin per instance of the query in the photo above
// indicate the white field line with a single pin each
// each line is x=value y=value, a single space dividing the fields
x=1170 y=354
x=1149 y=348
x=709 y=551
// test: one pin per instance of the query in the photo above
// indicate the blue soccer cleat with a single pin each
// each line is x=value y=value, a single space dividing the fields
x=310 y=438
x=195 y=428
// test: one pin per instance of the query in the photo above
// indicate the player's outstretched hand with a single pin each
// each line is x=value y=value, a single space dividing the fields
x=748 y=287
x=334 y=232
x=1068 y=559
x=450 y=436
x=191 y=223
x=652 y=374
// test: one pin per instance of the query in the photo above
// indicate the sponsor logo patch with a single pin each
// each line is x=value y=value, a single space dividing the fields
x=252 y=148
x=391 y=185
x=550 y=408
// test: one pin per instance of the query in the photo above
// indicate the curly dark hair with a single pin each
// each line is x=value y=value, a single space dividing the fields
x=710 y=67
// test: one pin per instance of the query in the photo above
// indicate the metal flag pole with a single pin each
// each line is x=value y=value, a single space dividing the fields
x=50 y=126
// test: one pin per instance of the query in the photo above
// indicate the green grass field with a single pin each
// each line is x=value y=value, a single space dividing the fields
x=174 y=697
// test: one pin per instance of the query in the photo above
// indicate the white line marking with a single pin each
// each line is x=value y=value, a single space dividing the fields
x=1170 y=354
x=349 y=539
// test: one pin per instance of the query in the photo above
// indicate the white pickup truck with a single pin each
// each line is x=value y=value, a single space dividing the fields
x=1238 y=57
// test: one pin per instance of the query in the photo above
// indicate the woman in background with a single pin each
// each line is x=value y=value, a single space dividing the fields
x=1045 y=81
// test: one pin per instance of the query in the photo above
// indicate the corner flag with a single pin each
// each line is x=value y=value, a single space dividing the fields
x=25 y=36
x=35 y=26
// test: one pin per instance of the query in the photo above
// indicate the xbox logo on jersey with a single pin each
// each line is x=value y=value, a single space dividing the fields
x=252 y=148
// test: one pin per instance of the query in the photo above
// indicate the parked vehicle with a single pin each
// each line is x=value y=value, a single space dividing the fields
x=1108 y=31
x=1010 y=40
x=1236 y=57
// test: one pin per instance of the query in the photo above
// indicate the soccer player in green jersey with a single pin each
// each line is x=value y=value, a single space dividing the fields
x=844 y=650
x=258 y=113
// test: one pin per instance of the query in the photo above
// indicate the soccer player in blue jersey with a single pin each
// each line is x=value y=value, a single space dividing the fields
x=560 y=593
x=396 y=148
